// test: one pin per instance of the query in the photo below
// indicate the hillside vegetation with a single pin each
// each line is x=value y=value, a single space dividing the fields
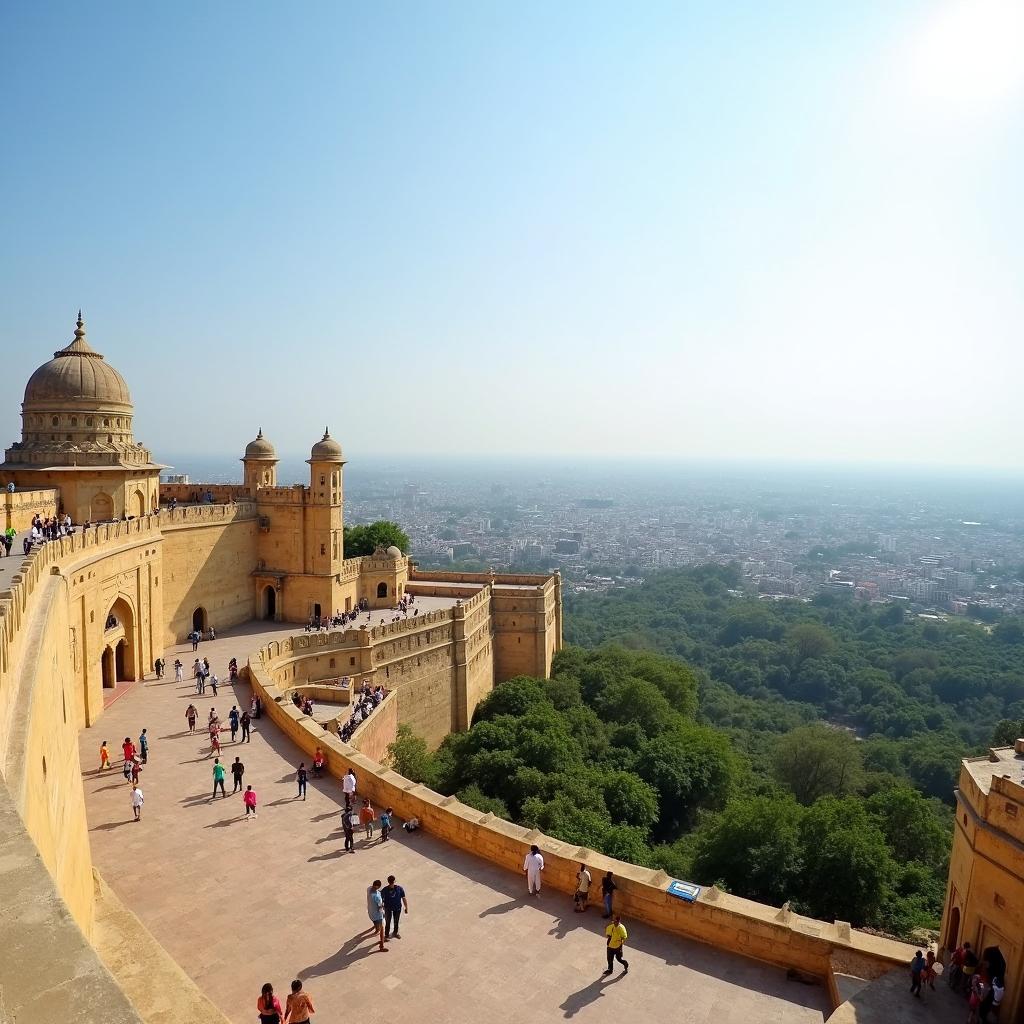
x=786 y=751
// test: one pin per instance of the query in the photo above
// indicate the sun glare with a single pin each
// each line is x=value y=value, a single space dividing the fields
x=971 y=52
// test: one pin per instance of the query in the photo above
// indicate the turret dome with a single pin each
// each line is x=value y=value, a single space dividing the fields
x=326 y=450
x=260 y=448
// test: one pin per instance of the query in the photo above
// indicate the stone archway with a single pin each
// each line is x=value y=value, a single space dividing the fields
x=382 y=590
x=139 y=504
x=107 y=668
x=953 y=931
x=269 y=602
x=101 y=508
x=199 y=619
x=120 y=630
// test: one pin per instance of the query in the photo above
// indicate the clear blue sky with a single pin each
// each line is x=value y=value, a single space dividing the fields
x=694 y=229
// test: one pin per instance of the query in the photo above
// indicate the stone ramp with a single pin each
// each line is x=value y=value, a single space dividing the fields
x=888 y=1001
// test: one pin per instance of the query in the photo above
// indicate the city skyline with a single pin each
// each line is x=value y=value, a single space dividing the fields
x=584 y=232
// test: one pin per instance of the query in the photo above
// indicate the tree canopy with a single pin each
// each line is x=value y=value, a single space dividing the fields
x=364 y=540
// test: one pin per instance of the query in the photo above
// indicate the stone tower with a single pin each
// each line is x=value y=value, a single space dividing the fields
x=259 y=464
x=324 y=517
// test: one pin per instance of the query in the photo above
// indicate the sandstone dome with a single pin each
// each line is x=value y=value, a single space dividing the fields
x=326 y=450
x=260 y=448
x=394 y=552
x=78 y=374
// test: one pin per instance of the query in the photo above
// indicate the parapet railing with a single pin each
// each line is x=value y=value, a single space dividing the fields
x=206 y=515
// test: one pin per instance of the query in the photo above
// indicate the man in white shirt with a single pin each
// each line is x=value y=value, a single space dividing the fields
x=137 y=801
x=348 y=786
x=533 y=865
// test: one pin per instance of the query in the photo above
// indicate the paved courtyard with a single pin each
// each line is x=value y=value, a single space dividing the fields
x=239 y=903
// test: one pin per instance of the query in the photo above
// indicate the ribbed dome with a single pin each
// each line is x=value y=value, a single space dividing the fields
x=326 y=450
x=77 y=373
x=260 y=448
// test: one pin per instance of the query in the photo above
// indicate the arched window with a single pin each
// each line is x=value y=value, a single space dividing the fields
x=54 y=421
x=88 y=421
x=74 y=421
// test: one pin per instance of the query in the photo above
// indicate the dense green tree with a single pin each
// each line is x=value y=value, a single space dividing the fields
x=753 y=846
x=364 y=540
x=818 y=760
x=847 y=868
x=914 y=829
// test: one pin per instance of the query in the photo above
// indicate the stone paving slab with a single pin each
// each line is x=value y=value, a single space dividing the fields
x=239 y=903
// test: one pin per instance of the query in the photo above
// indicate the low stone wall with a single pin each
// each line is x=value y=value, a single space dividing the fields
x=769 y=934
x=196 y=493
x=373 y=736
x=19 y=507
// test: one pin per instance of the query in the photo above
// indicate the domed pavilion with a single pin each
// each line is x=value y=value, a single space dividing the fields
x=76 y=436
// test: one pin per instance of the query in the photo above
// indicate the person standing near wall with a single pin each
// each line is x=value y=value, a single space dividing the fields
x=348 y=787
x=583 y=881
x=533 y=865
x=346 y=826
x=608 y=888
x=246 y=722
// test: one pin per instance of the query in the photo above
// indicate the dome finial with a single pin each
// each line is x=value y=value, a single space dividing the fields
x=80 y=326
x=259 y=433
x=327 y=433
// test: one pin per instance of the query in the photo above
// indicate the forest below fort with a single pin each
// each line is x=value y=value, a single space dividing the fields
x=783 y=750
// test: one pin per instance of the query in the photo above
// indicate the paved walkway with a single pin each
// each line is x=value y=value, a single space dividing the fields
x=239 y=903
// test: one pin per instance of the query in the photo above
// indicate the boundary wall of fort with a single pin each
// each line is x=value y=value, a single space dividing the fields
x=20 y=506
x=830 y=952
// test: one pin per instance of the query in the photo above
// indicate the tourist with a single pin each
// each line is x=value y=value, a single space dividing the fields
x=300 y=778
x=218 y=778
x=993 y=1000
x=213 y=682
x=233 y=722
x=299 y=1006
x=346 y=826
x=104 y=756
x=191 y=715
x=393 y=896
x=366 y=817
x=178 y=677
x=608 y=888
x=144 y=746
x=533 y=865
x=583 y=880
x=375 y=908
x=318 y=763
x=197 y=671
x=929 y=970
x=128 y=749
x=970 y=965
x=249 y=799
x=237 y=771
x=137 y=801
x=616 y=936
x=268 y=1006
x=348 y=787
x=916 y=970
x=385 y=824
x=194 y=637
x=955 y=965
x=136 y=768
x=158 y=665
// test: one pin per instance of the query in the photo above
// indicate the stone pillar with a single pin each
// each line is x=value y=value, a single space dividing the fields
x=460 y=710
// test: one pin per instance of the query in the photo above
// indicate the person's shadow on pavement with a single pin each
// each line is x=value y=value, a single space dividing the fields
x=585 y=996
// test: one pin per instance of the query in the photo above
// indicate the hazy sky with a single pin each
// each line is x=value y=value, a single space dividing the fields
x=698 y=229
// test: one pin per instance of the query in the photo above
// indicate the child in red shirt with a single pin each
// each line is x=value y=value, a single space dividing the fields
x=249 y=799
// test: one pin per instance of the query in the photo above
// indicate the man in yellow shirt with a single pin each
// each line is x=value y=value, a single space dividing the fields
x=616 y=938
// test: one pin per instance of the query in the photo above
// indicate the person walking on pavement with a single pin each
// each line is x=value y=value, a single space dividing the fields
x=616 y=935
x=246 y=722
x=298 y=1006
x=137 y=801
x=395 y=902
x=233 y=722
x=104 y=756
x=249 y=799
x=375 y=909
x=237 y=771
x=191 y=716
x=300 y=778
x=218 y=778
x=178 y=677
x=533 y=865
x=144 y=746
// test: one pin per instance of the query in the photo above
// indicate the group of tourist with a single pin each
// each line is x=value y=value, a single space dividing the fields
x=366 y=701
x=979 y=980
x=134 y=757
x=304 y=704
